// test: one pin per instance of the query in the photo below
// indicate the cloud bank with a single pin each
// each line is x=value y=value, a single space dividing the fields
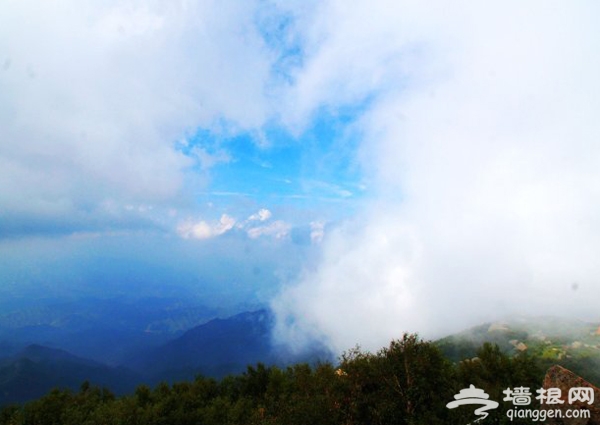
x=473 y=127
x=96 y=95
x=481 y=145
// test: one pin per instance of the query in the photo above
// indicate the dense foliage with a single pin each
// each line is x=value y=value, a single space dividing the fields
x=408 y=382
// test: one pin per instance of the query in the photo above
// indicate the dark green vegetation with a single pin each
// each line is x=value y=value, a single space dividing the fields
x=408 y=382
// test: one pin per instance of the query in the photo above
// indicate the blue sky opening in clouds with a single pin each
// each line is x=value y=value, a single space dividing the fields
x=379 y=163
x=313 y=172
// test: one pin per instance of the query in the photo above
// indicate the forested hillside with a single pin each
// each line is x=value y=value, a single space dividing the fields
x=408 y=382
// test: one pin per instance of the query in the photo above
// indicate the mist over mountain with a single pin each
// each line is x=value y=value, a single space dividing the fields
x=572 y=343
x=221 y=347
x=189 y=187
x=228 y=345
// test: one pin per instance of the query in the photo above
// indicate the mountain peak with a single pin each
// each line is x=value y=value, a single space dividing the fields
x=40 y=353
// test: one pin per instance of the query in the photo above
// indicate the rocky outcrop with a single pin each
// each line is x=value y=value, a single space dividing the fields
x=564 y=379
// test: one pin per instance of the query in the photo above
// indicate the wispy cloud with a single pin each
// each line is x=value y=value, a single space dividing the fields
x=278 y=229
x=208 y=160
x=255 y=226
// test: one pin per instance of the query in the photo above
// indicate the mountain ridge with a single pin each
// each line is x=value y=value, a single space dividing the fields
x=220 y=347
x=36 y=369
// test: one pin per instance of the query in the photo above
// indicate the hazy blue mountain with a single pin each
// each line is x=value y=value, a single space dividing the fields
x=107 y=330
x=218 y=348
x=72 y=346
x=37 y=369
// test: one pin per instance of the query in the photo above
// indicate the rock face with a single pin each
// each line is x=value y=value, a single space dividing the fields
x=564 y=379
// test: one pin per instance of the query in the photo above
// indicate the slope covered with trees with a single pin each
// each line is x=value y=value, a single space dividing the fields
x=408 y=382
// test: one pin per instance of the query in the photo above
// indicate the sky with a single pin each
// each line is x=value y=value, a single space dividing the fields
x=364 y=168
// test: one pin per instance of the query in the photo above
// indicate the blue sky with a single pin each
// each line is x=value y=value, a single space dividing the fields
x=309 y=170
x=388 y=160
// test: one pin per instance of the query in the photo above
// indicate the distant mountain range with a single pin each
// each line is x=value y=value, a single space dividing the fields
x=36 y=370
x=106 y=330
x=223 y=346
x=218 y=348
x=215 y=349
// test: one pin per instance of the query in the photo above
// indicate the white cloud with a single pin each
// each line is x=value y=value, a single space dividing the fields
x=253 y=227
x=479 y=142
x=262 y=215
x=208 y=160
x=204 y=230
x=481 y=145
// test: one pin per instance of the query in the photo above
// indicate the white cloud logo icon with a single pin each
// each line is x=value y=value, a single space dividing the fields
x=475 y=396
